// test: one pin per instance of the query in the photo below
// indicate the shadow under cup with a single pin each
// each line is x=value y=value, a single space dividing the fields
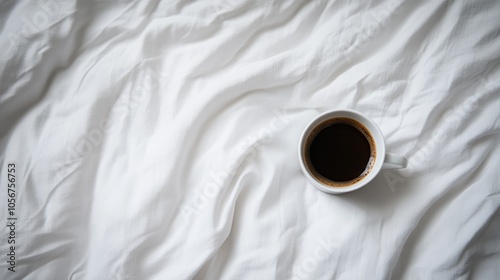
x=365 y=164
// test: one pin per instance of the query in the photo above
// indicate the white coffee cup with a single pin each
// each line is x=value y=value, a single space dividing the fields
x=382 y=159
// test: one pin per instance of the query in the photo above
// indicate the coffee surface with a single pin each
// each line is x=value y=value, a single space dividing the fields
x=340 y=151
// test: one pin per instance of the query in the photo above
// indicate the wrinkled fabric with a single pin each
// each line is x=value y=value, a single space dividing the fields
x=158 y=139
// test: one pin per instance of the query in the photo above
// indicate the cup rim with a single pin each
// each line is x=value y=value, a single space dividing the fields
x=377 y=138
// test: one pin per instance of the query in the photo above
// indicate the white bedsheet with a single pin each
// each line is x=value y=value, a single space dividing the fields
x=157 y=139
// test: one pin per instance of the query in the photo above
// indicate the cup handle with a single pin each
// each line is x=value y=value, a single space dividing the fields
x=394 y=161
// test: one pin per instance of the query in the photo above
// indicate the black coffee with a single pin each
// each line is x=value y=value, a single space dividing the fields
x=340 y=151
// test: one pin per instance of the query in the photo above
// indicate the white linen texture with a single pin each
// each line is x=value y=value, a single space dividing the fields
x=158 y=139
